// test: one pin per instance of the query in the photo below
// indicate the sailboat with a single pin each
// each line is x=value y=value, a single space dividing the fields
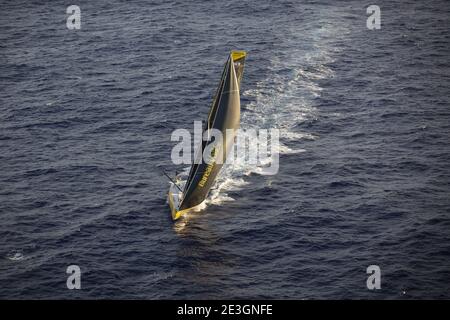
x=224 y=115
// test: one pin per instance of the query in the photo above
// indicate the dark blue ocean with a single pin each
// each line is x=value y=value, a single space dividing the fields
x=86 y=118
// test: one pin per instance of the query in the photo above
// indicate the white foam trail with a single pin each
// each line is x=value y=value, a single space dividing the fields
x=290 y=135
x=230 y=184
x=284 y=100
x=217 y=198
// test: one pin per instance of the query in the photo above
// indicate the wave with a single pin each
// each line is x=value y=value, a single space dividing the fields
x=15 y=256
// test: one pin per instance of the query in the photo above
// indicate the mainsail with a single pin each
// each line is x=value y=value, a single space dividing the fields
x=224 y=116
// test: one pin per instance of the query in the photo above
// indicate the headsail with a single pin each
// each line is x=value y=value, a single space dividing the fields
x=224 y=114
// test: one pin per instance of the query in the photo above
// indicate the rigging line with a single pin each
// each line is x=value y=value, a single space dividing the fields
x=171 y=180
